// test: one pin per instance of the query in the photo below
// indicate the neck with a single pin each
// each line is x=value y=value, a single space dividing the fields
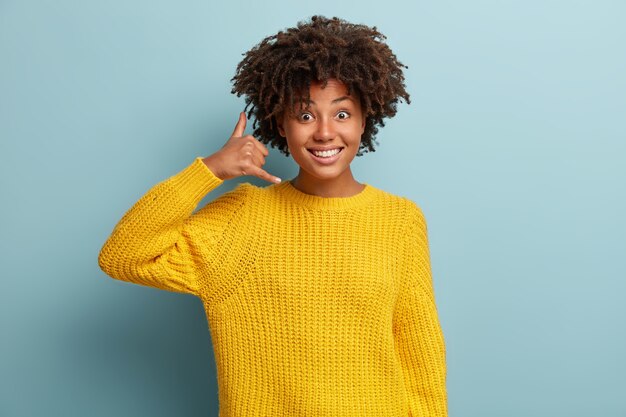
x=343 y=186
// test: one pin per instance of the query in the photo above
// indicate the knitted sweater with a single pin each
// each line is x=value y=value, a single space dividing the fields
x=316 y=306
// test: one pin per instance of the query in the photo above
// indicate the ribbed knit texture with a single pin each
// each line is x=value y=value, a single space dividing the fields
x=316 y=306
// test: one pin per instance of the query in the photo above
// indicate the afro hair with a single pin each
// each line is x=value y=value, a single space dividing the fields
x=278 y=72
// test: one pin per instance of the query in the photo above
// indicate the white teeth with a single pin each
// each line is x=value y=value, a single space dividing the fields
x=326 y=154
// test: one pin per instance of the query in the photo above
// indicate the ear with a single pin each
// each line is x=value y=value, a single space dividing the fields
x=279 y=125
x=363 y=124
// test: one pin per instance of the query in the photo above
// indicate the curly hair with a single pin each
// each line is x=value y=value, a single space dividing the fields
x=278 y=71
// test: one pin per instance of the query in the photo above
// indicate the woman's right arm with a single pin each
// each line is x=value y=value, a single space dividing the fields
x=159 y=243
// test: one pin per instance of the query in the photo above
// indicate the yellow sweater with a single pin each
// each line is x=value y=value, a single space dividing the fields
x=316 y=306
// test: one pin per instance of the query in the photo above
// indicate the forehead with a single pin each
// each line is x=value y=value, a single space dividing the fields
x=331 y=84
x=333 y=92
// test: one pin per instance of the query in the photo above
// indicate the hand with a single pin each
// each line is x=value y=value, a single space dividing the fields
x=241 y=155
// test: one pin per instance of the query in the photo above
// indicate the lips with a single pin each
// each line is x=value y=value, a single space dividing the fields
x=318 y=150
x=326 y=160
x=324 y=149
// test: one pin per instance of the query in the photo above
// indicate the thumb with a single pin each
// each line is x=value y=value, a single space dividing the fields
x=241 y=125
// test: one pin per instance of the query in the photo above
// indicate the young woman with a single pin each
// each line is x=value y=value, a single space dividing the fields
x=317 y=290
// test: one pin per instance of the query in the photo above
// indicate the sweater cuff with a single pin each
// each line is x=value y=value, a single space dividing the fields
x=196 y=180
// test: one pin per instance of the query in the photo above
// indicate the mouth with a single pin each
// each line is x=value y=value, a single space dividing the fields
x=327 y=157
x=326 y=153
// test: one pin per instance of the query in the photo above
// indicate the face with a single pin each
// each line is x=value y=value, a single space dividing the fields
x=333 y=121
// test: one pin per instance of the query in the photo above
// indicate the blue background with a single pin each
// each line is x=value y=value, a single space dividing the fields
x=514 y=146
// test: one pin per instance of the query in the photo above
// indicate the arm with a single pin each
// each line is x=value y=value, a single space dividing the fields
x=417 y=331
x=159 y=243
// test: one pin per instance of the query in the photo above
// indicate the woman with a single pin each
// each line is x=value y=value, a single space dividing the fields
x=317 y=290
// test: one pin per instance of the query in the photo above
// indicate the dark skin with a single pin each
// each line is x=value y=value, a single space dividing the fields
x=241 y=155
x=333 y=120
x=282 y=72
x=276 y=73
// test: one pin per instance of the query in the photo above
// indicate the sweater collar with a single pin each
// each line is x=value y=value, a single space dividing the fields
x=292 y=194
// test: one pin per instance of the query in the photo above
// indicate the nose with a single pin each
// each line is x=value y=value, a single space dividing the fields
x=325 y=129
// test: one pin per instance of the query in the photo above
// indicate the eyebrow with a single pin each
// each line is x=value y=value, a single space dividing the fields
x=337 y=100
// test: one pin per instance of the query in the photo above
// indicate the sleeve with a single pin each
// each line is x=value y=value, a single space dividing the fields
x=417 y=332
x=159 y=243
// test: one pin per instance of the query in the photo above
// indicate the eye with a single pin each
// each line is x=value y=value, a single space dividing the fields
x=343 y=115
x=305 y=117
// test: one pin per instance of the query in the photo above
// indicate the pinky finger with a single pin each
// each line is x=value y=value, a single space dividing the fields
x=261 y=173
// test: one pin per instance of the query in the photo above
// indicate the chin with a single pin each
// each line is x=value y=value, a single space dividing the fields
x=325 y=174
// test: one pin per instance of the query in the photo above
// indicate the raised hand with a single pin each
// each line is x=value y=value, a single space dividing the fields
x=240 y=155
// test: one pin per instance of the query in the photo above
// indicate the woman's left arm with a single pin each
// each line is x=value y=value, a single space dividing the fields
x=417 y=331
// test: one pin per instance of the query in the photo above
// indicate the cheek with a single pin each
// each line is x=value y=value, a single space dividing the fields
x=296 y=133
x=353 y=131
x=292 y=139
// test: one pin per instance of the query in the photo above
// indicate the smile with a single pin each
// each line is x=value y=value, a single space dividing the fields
x=325 y=154
x=326 y=157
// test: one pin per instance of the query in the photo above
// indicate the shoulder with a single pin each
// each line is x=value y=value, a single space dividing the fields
x=252 y=191
x=256 y=197
x=228 y=203
x=239 y=194
x=407 y=209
